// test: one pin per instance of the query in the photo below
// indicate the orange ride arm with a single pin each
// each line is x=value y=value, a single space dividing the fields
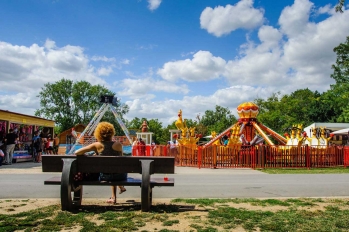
x=261 y=132
x=219 y=136
x=274 y=134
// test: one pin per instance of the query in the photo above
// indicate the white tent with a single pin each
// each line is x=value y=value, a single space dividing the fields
x=341 y=132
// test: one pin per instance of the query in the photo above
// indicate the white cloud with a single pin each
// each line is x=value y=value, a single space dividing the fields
x=328 y=9
x=223 y=20
x=270 y=37
x=24 y=71
x=153 y=4
x=166 y=110
x=103 y=58
x=105 y=71
x=125 y=61
x=144 y=87
x=295 y=19
x=204 y=66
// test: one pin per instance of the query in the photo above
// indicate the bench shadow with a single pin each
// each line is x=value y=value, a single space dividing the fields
x=132 y=205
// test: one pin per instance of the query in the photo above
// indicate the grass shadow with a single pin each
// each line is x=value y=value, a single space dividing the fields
x=133 y=206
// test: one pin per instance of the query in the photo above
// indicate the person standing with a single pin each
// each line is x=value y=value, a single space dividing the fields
x=1 y=154
x=37 y=146
x=11 y=139
x=153 y=148
x=134 y=146
x=173 y=148
x=49 y=145
x=141 y=147
x=55 y=144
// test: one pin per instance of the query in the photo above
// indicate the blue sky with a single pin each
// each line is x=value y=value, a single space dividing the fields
x=160 y=56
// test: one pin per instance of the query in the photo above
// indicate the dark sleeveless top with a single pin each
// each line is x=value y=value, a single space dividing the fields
x=108 y=149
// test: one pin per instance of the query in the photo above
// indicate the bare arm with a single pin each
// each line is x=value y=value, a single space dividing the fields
x=92 y=147
x=117 y=146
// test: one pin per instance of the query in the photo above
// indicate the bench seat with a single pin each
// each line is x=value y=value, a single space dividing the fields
x=154 y=181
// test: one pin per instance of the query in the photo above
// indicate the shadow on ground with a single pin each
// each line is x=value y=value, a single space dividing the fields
x=132 y=205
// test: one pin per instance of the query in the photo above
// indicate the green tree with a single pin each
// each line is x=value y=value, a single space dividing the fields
x=69 y=103
x=190 y=122
x=341 y=68
x=271 y=114
x=339 y=6
x=135 y=123
x=218 y=120
x=300 y=107
x=156 y=127
x=338 y=95
x=164 y=137
x=337 y=99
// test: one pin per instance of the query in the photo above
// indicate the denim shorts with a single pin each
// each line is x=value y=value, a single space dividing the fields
x=112 y=176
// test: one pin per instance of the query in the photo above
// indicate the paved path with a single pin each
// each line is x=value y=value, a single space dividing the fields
x=25 y=180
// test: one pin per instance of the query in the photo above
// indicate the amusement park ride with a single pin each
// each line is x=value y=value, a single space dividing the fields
x=107 y=101
x=249 y=131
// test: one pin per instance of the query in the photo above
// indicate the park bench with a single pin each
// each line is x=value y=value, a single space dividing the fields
x=70 y=165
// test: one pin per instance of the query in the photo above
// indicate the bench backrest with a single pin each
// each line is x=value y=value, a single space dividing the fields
x=109 y=164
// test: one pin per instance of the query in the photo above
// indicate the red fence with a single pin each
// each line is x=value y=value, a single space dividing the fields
x=239 y=156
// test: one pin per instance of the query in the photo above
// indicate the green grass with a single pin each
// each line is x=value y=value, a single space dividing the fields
x=301 y=214
x=335 y=170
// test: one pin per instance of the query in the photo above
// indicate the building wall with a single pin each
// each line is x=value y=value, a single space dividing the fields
x=63 y=136
x=337 y=139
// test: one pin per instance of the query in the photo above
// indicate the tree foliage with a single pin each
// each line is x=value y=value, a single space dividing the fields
x=69 y=103
x=338 y=95
x=302 y=106
x=341 y=68
x=339 y=6
x=154 y=126
x=218 y=120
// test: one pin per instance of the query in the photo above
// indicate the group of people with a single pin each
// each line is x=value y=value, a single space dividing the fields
x=44 y=143
x=139 y=147
x=172 y=147
x=41 y=143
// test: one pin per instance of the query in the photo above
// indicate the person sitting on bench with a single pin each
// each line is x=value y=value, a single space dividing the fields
x=104 y=133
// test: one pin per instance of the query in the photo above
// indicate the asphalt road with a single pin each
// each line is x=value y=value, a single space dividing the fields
x=27 y=181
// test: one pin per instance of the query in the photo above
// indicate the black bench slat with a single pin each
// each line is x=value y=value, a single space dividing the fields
x=112 y=164
x=154 y=181
x=53 y=181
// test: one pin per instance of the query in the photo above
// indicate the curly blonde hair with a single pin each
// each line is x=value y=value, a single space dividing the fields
x=104 y=131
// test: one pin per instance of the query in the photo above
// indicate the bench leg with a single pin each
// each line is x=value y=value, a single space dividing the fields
x=67 y=186
x=151 y=197
x=146 y=190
